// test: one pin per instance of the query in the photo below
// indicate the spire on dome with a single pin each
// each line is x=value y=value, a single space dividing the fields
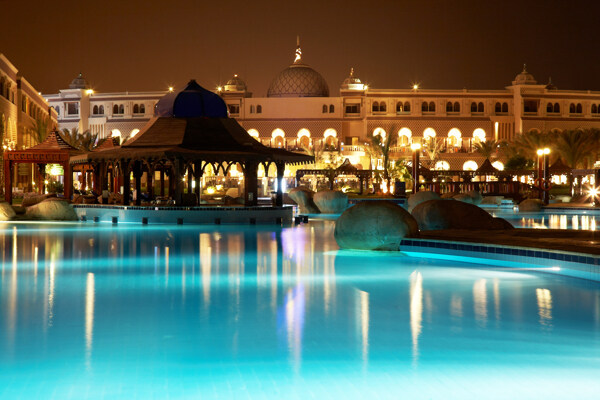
x=298 y=58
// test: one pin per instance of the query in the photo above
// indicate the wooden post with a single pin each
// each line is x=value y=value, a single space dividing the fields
x=126 y=182
x=250 y=183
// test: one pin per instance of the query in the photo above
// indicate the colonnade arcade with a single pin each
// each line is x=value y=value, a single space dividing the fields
x=179 y=177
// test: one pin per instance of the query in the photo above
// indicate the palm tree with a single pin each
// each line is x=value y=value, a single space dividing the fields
x=380 y=147
x=434 y=147
x=71 y=136
x=528 y=143
x=487 y=148
x=40 y=130
x=576 y=148
x=85 y=141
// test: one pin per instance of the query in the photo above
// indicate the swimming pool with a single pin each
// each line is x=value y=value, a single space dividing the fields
x=98 y=311
x=552 y=219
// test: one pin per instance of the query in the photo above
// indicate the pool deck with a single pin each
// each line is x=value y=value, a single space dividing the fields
x=584 y=242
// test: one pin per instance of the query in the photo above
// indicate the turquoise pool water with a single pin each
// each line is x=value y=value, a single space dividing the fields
x=180 y=312
x=552 y=219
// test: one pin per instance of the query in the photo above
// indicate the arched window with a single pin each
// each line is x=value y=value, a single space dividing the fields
x=424 y=107
x=95 y=110
x=504 y=107
x=404 y=136
x=399 y=107
x=253 y=133
x=407 y=107
x=498 y=108
x=278 y=142
x=473 y=107
x=449 y=107
x=549 y=108
x=579 y=109
x=101 y=110
x=136 y=109
x=594 y=109
x=375 y=107
x=331 y=108
x=442 y=166
x=470 y=166
x=382 y=106
x=431 y=106
x=121 y=109
x=456 y=107
x=380 y=132
x=324 y=108
x=428 y=133
x=252 y=109
x=571 y=108
x=556 y=108
x=277 y=138
x=258 y=109
x=142 y=109
x=304 y=142
x=116 y=109
x=480 y=107
x=454 y=137
x=478 y=135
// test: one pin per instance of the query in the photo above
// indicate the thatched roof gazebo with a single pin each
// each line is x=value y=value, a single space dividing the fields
x=53 y=150
x=190 y=131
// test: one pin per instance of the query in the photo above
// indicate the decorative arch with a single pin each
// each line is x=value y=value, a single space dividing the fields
x=277 y=132
x=454 y=137
x=380 y=132
x=304 y=138
x=470 y=166
x=429 y=133
x=479 y=135
x=254 y=133
x=442 y=165
x=404 y=136
x=330 y=132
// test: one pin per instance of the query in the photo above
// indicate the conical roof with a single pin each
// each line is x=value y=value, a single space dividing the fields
x=193 y=101
x=486 y=168
x=54 y=141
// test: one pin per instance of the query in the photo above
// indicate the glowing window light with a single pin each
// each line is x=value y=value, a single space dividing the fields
x=498 y=165
x=479 y=135
x=429 y=133
x=380 y=132
x=470 y=166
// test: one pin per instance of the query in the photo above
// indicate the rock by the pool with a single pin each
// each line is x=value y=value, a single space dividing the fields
x=52 y=209
x=331 y=201
x=304 y=198
x=452 y=214
x=476 y=196
x=497 y=200
x=421 y=197
x=531 y=205
x=6 y=212
x=464 y=197
x=374 y=225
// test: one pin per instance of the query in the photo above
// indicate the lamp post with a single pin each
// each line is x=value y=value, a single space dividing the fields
x=546 y=193
x=415 y=147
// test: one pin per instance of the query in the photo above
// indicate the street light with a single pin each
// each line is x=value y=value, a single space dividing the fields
x=415 y=147
x=543 y=173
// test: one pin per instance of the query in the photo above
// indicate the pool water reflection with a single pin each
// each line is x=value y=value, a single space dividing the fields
x=549 y=220
x=186 y=312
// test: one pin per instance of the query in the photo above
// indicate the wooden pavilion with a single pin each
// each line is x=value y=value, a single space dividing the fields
x=53 y=150
x=191 y=131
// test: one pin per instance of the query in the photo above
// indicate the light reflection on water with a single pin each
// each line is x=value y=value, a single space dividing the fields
x=175 y=311
x=549 y=221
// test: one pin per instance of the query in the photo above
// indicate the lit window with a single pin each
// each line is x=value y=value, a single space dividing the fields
x=442 y=166
x=470 y=166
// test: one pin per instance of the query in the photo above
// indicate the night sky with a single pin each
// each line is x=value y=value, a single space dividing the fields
x=148 y=45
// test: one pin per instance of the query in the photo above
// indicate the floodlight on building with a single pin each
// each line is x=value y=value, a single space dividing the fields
x=89 y=91
x=171 y=88
x=219 y=88
x=416 y=86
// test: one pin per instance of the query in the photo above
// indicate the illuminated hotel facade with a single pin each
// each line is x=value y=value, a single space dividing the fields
x=298 y=112
x=21 y=106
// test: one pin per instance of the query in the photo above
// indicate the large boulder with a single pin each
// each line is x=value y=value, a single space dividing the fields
x=304 y=198
x=374 y=225
x=421 y=197
x=496 y=200
x=464 y=197
x=32 y=198
x=331 y=201
x=52 y=209
x=452 y=214
x=476 y=197
x=6 y=212
x=531 y=205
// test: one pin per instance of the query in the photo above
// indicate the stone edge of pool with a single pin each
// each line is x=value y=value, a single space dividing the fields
x=577 y=256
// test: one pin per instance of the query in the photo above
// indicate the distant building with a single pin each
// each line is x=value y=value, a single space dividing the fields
x=298 y=112
x=21 y=106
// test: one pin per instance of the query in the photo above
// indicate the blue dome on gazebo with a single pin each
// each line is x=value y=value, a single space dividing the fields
x=192 y=102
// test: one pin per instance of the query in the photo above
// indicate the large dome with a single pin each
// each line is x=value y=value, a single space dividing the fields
x=79 y=83
x=298 y=80
x=193 y=101
x=524 y=78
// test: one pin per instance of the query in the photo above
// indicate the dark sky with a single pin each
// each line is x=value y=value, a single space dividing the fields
x=148 y=45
